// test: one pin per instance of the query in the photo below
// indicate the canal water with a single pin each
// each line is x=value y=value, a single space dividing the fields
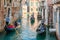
x=26 y=32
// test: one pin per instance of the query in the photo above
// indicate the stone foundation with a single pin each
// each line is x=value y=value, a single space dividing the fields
x=58 y=37
x=1 y=29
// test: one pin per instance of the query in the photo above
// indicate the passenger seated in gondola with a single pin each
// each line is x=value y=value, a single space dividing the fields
x=15 y=23
x=11 y=26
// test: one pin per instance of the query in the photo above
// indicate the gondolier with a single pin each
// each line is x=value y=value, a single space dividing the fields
x=7 y=20
x=32 y=19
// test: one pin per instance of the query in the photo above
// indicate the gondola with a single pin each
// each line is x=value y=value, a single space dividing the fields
x=11 y=27
x=41 y=29
x=32 y=20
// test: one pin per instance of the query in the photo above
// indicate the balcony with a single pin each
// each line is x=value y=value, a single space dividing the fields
x=42 y=0
x=57 y=1
x=42 y=4
x=16 y=4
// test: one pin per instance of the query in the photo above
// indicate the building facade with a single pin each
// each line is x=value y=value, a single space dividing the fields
x=9 y=8
x=47 y=11
x=33 y=8
x=24 y=11
x=2 y=22
x=56 y=17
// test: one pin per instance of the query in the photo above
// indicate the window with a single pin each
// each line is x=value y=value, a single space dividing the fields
x=36 y=3
x=10 y=1
x=36 y=9
x=20 y=1
x=39 y=9
x=31 y=9
x=32 y=0
x=4 y=2
x=28 y=9
x=8 y=12
x=55 y=16
x=0 y=22
x=5 y=7
x=32 y=3
x=0 y=4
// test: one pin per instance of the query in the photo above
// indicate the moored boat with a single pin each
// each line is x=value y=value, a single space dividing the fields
x=41 y=29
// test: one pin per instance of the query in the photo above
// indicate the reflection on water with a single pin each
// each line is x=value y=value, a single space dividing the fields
x=9 y=36
x=40 y=37
x=26 y=32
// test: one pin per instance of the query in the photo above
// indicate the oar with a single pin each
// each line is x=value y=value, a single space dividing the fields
x=16 y=31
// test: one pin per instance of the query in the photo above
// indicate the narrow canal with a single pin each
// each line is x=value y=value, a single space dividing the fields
x=26 y=32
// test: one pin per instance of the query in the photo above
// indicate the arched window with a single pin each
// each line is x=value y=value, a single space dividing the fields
x=10 y=1
x=8 y=12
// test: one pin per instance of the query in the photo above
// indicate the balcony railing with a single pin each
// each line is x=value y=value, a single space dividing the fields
x=56 y=1
x=42 y=4
x=42 y=0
